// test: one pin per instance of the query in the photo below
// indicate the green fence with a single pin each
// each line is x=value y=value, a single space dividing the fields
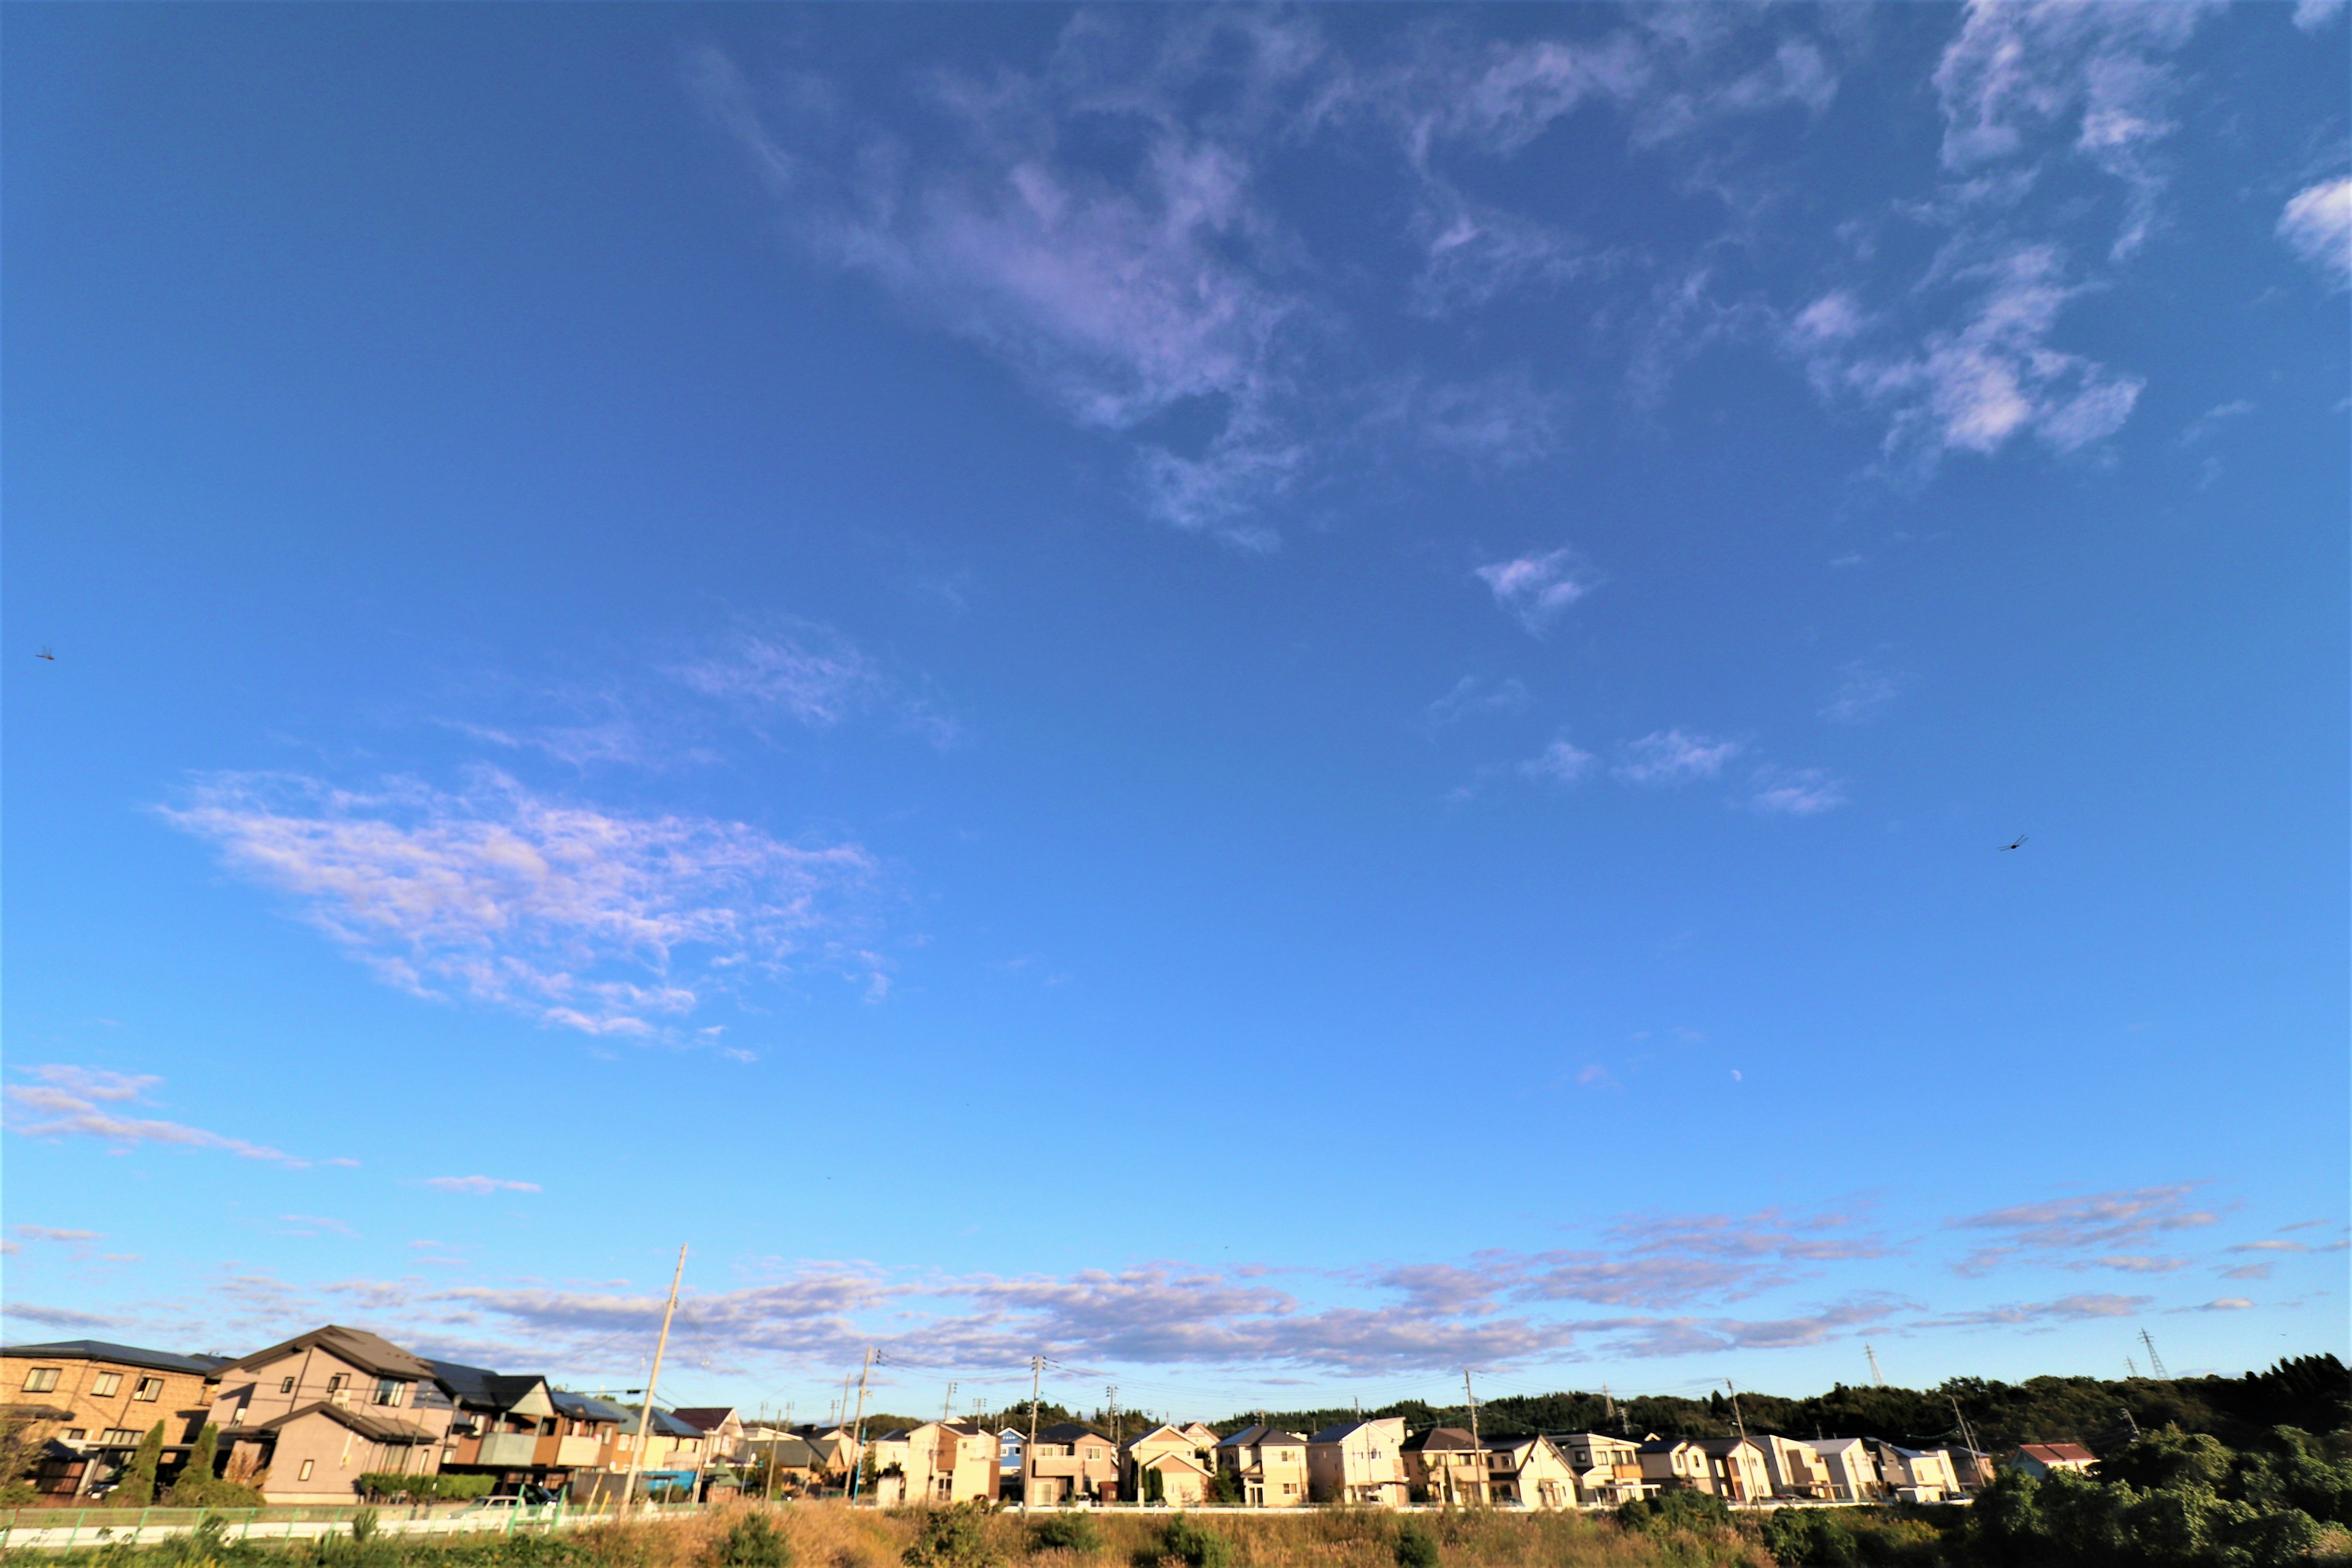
x=62 y=1528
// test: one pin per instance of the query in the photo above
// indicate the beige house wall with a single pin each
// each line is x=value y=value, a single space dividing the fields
x=181 y=1401
x=1367 y=1466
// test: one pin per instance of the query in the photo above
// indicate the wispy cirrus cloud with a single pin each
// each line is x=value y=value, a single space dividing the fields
x=584 y=918
x=1667 y=758
x=1475 y=697
x=1561 y=761
x=1536 y=588
x=2086 y=1232
x=2031 y=1314
x=1796 y=792
x=479 y=1186
x=2317 y=226
x=1864 y=690
x=807 y=672
x=67 y=1102
x=52 y=1233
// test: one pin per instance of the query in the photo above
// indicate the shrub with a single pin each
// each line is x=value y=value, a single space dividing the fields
x=1808 y=1538
x=426 y=1489
x=950 y=1538
x=137 y=1487
x=1415 y=1548
x=753 y=1542
x=1067 y=1532
x=1681 y=1508
x=1193 y=1546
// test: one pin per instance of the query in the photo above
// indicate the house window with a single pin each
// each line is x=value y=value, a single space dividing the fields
x=41 y=1379
x=389 y=1391
x=116 y=1434
x=285 y=1385
x=308 y=1465
x=76 y=1434
x=105 y=1384
x=335 y=1383
x=150 y=1389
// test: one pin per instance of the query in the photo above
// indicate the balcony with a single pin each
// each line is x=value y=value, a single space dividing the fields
x=578 y=1450
x=507 y=1449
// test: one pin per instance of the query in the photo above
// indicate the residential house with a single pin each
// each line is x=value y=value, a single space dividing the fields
x=1270 y=1464
x=901 y=1467
x=1973 y=1467
x=1070 y=1462
x=1675 y=1462
x=964 y=1467
x=675 y=1451
x=1446 y=1465
x=592 y=1428
x=1010 y=1443
x=1140 y=1455
x=1852 y=1469
x=1917 y=1475
x=507 y=1424
x=1172 y=1479
x=1796 y=1471
x=1358 y=1462
x=2038 y=1460
x=800 y=1464
x=317 y=1412
x=721 y=1427
x=1608 y=1469
x=89 y=1402
x=1736 y=1465
x=1528 y=1472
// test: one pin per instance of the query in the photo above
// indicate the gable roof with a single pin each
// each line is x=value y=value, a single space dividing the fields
x=374 y=1429
x=129 y=1355
x=2058 y=1453
x=480 y=1385
x=1441 y=1438
x=1664 y=1445
x=1174 y=1460
x=1264 y=1437
x=365 y=1350
x=708 y=1417
x=1070 y=1431
x=586 y=1406
x=1337 y=1433
x=1722 y=1448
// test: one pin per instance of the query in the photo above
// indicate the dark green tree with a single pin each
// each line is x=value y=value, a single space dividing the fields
x=194 y=1486
x=137 y=1487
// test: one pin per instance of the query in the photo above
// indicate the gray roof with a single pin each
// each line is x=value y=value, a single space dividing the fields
x=1337 y=1434
x=1442 y=1438
x=587 y=1407
x=374 y=1429
x=129 y=1355
x=1258 y=1436
x=481 y=1387
x=368 y=1352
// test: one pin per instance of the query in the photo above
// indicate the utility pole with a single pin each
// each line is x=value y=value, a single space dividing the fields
x=857 y=1430
x=1608 y=1403
x=1029 y=1450
x=1737 y=1420
x=2124 y=1412
x=646 y=1415
x=1968 y=1437
x=1473 y=1398
x=2154 y=1361
x=1877 y=1379
x=947 y=1406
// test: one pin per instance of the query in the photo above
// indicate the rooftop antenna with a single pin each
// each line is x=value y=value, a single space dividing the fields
x=2154 y=1361
x=1877 y=1379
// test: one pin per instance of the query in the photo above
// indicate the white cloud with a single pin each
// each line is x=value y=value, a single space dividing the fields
x=1561 y=761
x=1797 y=792
x=2097 y=75
x=2071 y=1231
x=1863 y=692
x=2311 y=16
x=2227 y=1304
x=1669 y=757
x=2317 y=226
x=1536 y=588
x=91 y=1102
x=2203 y=427
x=52 y=1233
x=584 y=919
x=1473 y=697
x=479 y=1186
x=1995 y=377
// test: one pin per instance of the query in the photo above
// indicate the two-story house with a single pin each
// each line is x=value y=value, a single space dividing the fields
x=1671 y=1462
x=1070 y=1462
x=721 y=1429
x=1851 y=1468
x=89 y=1402
x=2036 y=1459
x=1168 y=1466
x=1736 y=1470
x=1917 y=1475
x=1608 y=1469
x=1447 y=1465
x=1796 y=1471
x=1270 y=1464
x=1358 y=1462
x=1528 y=1472
x=315 y=1412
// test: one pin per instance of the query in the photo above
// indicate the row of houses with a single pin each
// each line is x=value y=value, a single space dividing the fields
x=304 y=1420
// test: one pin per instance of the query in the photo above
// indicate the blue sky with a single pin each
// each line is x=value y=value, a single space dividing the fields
x=1272 y=702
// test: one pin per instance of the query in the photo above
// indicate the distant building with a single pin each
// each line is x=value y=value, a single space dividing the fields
x=2040 y=1458
x=1608 y=1469
x=1736 y=1469
x=1071 y=1462
x=1358 y=1462
x=1917 y=1475
x=1797 y=1472
x=1269 y=1463
x=1446 y=1465
x=1676 y=1462
x=1528 y=1472
x=1852 y=1470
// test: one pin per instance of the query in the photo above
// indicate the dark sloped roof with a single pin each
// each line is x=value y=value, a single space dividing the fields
x=1662 y=1445
x=368 y=1352
x=374 y=1429
x=129 y=1355
x=1338 y=1434
x=663 y=1425
x=480 y=1385
x=704 y=1417
x=1719 y=1447
x=1441 y=1438
x=1070 y=1431
x=587 y=1407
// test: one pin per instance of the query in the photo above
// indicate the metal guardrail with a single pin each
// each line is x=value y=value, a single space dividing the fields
x=63 y=1529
